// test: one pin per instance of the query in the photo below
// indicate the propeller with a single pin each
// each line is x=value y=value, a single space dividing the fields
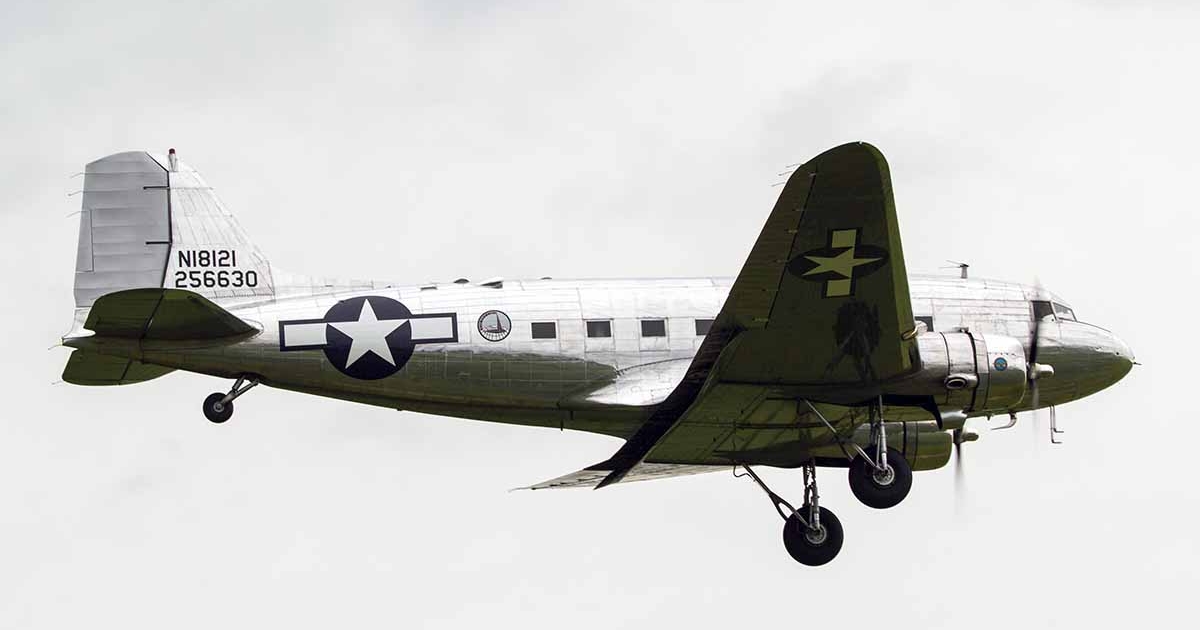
x=1033 y=357
x=960 y=436
x=958 y=466
x=1038 y=371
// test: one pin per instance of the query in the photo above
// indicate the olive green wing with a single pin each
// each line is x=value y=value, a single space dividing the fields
x=821 y=309
x=823 y=297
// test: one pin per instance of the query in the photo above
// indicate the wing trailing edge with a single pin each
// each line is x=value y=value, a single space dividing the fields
x=588 y=477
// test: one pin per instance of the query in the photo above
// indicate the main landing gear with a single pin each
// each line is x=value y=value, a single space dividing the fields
x=881 y=482
x=880 y=477
x=218 y=407
x=812 y=534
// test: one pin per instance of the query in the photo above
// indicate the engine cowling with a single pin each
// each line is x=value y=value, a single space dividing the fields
x=972 y=372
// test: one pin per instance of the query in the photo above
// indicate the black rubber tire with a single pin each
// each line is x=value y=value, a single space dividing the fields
x=868 y=490
x=807 y=552
x=210 y=408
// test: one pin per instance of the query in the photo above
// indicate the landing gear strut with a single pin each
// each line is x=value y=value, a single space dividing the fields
x=812 y=534
x=218 y=407
x=880 y=477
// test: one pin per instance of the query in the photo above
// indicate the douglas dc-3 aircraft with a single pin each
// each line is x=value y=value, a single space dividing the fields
x=821 y=352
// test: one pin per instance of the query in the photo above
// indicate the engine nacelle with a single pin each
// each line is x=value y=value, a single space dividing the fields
x=923 y=444
x=969 y=371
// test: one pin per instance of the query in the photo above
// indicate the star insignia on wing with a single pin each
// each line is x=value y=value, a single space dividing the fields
x=843 y=264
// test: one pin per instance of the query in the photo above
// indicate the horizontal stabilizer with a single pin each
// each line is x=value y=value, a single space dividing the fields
x=589 y=477
x=162 y=314
x=89 y=368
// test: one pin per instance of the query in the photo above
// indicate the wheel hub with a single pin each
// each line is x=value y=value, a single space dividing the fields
x=218 y=406
x=884 y=477
x=816 y=535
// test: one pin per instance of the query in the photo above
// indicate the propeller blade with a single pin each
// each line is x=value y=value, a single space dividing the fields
x=1034 y=335
x=1033 y=340
x=959 y=479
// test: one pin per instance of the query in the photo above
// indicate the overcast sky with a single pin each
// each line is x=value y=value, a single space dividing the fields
x=428 y=141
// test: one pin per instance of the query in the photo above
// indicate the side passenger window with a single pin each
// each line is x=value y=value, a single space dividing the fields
x=599 y=329
x=543 y=330
x=654 y=328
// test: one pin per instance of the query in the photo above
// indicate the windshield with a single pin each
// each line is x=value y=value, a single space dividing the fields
x=1052 y=310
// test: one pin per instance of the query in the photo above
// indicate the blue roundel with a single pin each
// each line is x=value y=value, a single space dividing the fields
x=368 y=337
x=1001 y=364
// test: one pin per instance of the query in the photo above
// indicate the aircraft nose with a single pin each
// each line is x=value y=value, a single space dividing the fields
x=1122 y=350
x=1116 y=356
x=1087 y=360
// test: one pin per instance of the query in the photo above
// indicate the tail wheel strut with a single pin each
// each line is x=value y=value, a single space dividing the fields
x=218 y=407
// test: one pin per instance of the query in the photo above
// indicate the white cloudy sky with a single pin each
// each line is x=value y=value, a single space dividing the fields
x=431 y=140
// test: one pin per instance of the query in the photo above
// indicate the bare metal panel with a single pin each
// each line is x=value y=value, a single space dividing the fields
x=1006 y=370
x=203 y=229
x=123 y=227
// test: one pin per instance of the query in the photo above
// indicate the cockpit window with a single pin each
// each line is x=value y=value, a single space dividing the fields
x=1064 y=312
x=1042 y=310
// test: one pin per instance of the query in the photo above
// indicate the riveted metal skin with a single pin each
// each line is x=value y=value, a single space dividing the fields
x=965 y=364
x=1003 y=361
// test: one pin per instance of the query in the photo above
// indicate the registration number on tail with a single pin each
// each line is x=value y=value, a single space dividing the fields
x=211 y=269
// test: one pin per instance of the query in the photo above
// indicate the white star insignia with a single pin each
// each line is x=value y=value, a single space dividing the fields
x=369 y=334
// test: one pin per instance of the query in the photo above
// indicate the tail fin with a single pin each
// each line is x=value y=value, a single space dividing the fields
x=150 y=221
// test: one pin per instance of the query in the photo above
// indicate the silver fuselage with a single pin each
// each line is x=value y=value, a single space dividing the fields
x=605 y=385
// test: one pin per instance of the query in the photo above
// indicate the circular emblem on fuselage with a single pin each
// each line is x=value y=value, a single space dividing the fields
x=494 y=325
x=368 y=337
x=1001 y=364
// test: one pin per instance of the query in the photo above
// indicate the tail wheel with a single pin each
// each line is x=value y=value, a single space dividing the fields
x=881 y=489
x=217 y=411
x=813 y=546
